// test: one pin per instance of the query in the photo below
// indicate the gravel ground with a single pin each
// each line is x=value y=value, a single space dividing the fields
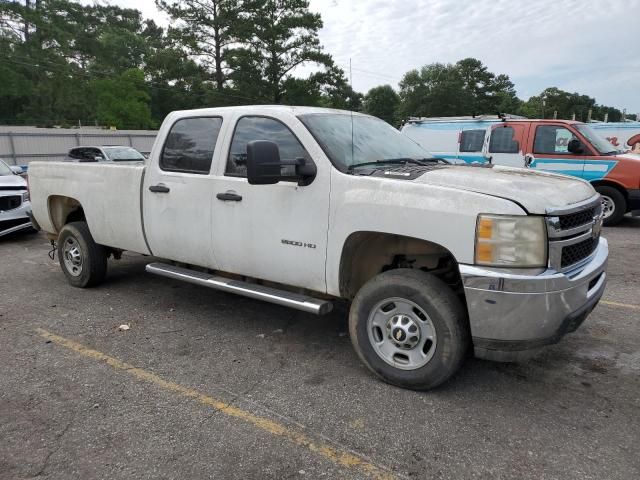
x=210 y=385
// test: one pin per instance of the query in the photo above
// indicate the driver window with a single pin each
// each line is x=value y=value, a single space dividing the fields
x=249 y=129
x=552 y=139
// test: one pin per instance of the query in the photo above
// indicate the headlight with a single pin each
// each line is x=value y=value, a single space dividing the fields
x=511 y=241
x=25 y=196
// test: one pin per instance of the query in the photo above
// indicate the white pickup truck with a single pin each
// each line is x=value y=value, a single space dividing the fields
x=304 y=206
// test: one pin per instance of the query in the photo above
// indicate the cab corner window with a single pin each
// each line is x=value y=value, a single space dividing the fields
x=249 y=129
x=471 y=140
x=552 y=139
x=503 y=141
x=190 y=144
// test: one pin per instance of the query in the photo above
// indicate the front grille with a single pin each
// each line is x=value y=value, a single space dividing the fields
x=9 y=202
x=574 y=235
x=577 y=252
x=573 y=220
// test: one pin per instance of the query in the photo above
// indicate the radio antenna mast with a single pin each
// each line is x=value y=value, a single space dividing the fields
x=351 y=107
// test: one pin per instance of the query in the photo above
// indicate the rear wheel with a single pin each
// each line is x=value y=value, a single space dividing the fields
x=409 y=328
x=83 y=261
x=614 y=205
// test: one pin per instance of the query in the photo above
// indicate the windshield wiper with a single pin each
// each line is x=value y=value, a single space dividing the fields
x=396 y=161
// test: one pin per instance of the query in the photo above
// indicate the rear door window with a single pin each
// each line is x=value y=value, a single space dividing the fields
x=503 y=141
x=190 y=144
x=471 y=140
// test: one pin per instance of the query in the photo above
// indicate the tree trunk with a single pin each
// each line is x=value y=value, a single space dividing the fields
x=27 y=5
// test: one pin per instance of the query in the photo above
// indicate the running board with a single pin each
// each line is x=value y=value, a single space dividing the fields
x=251 y=290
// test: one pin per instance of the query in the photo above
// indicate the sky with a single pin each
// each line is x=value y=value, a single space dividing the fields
x=587 y=46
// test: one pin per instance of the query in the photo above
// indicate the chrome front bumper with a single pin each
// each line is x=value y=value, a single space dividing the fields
x=512 y=316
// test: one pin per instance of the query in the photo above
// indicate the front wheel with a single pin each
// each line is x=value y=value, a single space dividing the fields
x=409 y=328
x=614 y=205
x=83 y=261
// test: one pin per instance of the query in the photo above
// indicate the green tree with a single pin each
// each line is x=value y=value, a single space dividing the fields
x=382 y=102
x=206 y=28
x=123 y=101
x=283 y=35
x=464 y=88
x=565 y=105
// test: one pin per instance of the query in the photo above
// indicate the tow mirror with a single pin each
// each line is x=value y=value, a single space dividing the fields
x=263 y=163
x=264 y=166
x=575 y=146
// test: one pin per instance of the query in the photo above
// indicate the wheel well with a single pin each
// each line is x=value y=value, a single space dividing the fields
x=606 y=183
x=366 y=254
x=63 y=210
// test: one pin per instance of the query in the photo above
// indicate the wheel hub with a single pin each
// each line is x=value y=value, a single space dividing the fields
x=607 y=206
x=403 y=332
x=72 y=256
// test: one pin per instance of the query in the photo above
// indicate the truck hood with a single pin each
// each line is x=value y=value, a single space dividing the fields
x=535 y=191
x=12 y=181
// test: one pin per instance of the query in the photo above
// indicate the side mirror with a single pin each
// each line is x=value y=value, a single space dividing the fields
x=528 y=161
x=98 y=158
x=263 y=163
x=264 y=166
x=16 y=169
x=574 y=146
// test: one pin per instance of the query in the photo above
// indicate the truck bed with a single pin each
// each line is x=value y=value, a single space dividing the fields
x=109 y=193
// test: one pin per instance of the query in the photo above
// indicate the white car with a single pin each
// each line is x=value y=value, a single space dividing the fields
x=14 y=201
x=303 y=206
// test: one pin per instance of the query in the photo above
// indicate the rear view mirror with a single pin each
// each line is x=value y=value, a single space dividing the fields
x=575 y=146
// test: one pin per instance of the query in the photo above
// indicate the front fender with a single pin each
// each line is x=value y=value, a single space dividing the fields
x=441 y=215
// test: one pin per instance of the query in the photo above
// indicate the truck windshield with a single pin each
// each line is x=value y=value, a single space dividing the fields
x=600 y=144
x=122 y=153
x=371 y=140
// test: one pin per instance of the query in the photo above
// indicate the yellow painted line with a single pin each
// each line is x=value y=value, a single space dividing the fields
x=621 y=305
x=340 y=457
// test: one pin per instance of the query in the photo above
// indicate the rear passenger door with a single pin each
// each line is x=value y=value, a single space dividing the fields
x=506 y=144
x=177 y=192
x=551 y=152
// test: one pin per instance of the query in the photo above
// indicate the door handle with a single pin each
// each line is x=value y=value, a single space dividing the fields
x=229 y=197
x=160 y=188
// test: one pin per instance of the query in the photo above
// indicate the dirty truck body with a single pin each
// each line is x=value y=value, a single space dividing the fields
x=304 y=206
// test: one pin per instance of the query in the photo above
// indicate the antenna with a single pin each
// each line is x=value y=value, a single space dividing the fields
x=351 y=108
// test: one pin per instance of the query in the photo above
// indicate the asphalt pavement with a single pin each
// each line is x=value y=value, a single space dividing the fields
x=210 y=385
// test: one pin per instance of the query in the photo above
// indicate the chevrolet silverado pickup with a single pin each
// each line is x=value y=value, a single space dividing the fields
x=304 y=207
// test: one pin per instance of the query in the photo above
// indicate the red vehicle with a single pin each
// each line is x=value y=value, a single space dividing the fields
x=560 y=146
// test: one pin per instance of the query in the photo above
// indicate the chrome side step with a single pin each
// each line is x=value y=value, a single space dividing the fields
x=259 y=292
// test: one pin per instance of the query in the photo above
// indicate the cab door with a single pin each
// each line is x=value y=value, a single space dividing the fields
x=506 y=144
x=178 y=192
x=273 y=232
x=550 y=150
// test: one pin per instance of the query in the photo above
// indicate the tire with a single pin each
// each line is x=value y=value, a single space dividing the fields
x=82 y=260
x=612 y=197
x=443 y=337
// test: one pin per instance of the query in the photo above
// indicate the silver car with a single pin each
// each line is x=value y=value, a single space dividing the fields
x=15 y=206
x=107 y=153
